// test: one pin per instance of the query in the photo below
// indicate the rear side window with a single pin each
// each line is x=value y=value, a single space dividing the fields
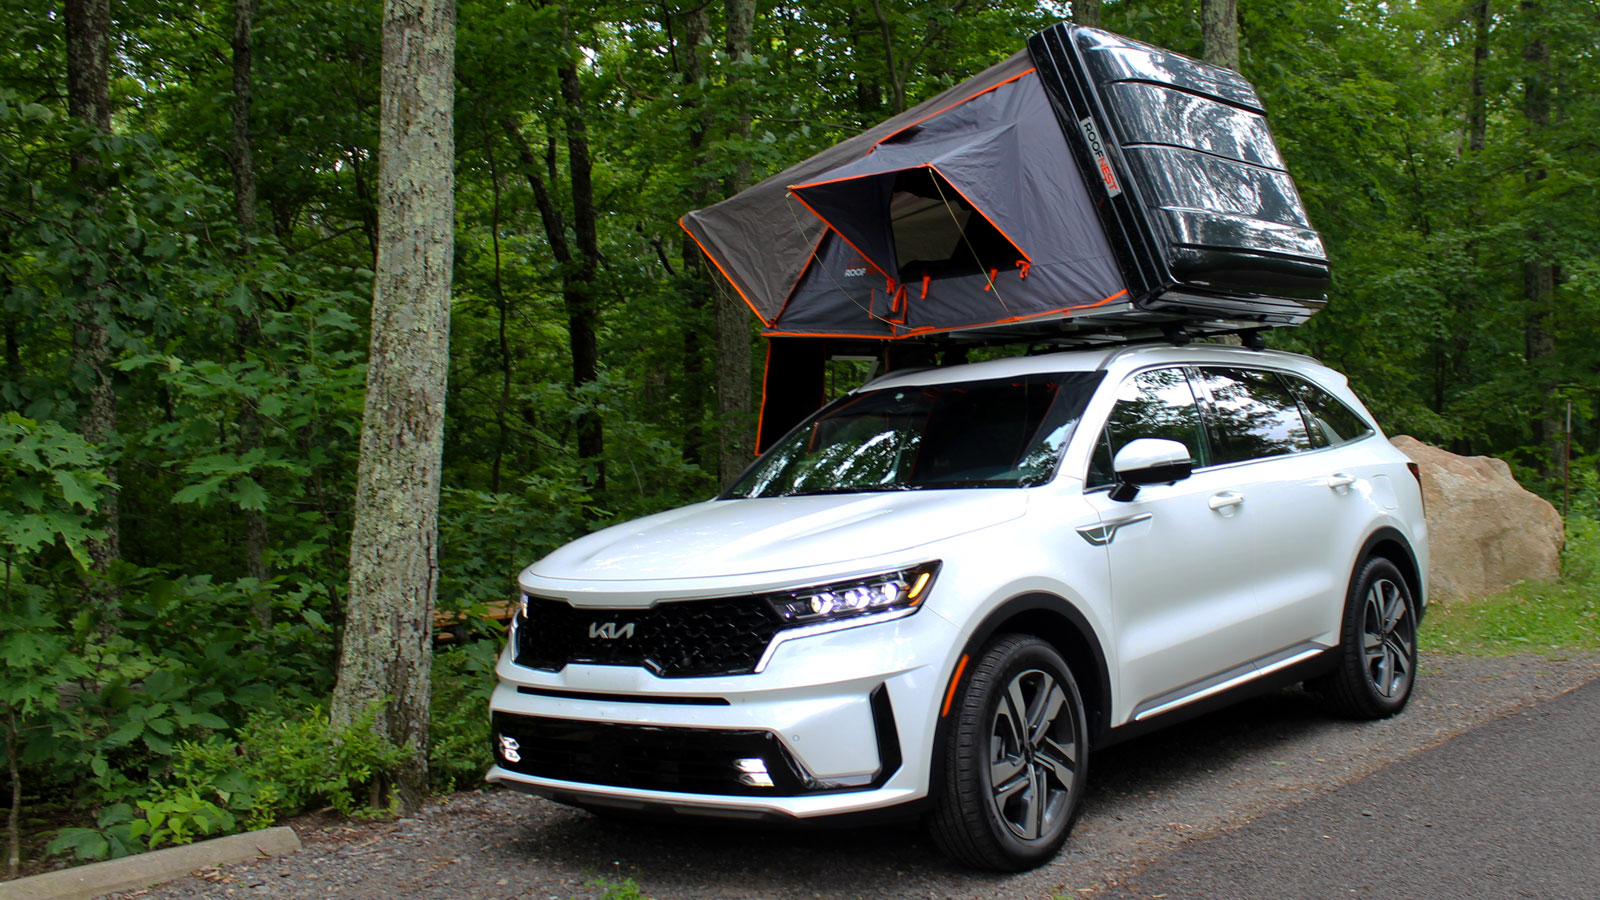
x=1330 y=421
x=1154 y=404
x=1252 y=415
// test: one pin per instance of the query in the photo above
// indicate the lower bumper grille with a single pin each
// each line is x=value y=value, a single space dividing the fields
x=687 y=760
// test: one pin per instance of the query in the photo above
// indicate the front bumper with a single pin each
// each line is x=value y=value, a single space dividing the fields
x=839 y=722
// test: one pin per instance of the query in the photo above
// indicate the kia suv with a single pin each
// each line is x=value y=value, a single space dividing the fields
x=940 y=594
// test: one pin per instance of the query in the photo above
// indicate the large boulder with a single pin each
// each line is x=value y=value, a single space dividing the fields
x=1485 y=531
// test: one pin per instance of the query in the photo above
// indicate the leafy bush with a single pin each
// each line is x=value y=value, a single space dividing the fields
x=458 y=735
x=279 y=766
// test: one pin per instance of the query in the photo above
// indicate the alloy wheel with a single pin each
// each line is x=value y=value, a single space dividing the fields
x=1389 y=638
x=1032 y=754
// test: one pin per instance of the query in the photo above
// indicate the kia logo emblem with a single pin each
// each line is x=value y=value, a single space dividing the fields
x=611 y=631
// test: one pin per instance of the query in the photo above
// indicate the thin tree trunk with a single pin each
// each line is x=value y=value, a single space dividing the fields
x=1086 y=12
x=14 y=817
x=503 y=308
x=576 y=293
x=696 y=27
x=733 y=319
x=583 y=313
x=88 y=26
x=386 y=653
x=244 y=213
x=1478 y=109
x=1538 y=272
x=1219 y=32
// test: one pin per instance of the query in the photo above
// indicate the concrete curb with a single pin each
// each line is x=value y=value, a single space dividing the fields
x=146 y=869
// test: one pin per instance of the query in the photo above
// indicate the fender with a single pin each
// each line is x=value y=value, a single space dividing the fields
x=1388 y=534
x=1072 y=624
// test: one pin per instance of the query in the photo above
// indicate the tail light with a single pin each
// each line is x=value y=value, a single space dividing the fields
x=1416 y=472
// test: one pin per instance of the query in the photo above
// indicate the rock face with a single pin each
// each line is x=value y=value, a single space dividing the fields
x=1485 y=531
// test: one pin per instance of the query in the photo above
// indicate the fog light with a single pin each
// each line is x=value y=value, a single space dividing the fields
x=753 y=772
x=509 y=748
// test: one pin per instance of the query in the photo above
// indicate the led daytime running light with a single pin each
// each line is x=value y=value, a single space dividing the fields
x=863 y=596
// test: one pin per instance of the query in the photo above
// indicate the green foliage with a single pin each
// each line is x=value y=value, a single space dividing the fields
x=458 y=740
x=238 y=355
x=282 y=765
x=626 y=889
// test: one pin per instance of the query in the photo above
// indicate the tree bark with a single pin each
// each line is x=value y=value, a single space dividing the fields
x=88 y=26
x=1086 y=12
x=577 y=292
x=1478 y=108
x=1219 y=32
x=386 y=653
x=256 y=535
x=14 y=817
x=1538 y=271
x=696 y=27
x=733 y=319
x=583 y=313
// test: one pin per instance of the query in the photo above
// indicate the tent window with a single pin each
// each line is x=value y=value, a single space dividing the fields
x=939 y=240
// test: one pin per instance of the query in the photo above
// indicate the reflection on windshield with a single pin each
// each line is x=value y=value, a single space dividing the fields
x=1004 y=432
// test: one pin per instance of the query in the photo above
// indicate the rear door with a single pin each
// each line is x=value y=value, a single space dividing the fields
x=1300 y=495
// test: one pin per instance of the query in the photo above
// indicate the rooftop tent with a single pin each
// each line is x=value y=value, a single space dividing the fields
x=1092 y=184
x=1093 y=188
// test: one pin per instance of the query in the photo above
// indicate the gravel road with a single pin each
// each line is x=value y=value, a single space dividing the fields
x=1146 y=798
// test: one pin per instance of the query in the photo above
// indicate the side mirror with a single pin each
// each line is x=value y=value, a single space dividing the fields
x=1149 y=461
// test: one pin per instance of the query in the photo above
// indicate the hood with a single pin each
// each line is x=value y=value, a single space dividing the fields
x=770 y=534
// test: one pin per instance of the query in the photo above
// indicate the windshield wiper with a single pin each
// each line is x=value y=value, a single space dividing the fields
x=850 y=489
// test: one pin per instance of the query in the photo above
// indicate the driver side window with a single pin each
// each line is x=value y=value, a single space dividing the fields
x=1155 y=404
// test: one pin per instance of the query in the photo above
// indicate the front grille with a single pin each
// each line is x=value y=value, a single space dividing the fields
x=686 y=760
x=674 y=640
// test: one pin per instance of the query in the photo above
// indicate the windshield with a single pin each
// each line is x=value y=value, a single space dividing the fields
x=1003 y=432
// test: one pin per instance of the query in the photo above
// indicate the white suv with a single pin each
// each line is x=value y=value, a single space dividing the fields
x=937 y=595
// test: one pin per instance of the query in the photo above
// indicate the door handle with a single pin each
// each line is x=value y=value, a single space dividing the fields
x=1225 y=500
x=1340 y=480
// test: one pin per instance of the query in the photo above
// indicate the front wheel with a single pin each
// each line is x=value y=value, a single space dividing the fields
x=1015 y=756
x=1377 y=647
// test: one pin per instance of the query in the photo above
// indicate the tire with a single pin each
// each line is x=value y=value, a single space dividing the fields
x=1377 y=646
x=1007 y=828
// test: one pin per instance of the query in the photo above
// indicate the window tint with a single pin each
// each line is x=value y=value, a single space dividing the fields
x=1331 y=422
x=1155 y=404
x=1252 y=415
x=977 y=434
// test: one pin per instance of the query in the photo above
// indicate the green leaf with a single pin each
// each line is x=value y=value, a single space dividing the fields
x=74 y=491
x=248 y=494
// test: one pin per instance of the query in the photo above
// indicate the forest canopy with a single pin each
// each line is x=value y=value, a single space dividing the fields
x=186 y=280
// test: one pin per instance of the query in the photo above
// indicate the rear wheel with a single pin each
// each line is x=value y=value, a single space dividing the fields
x=1378 y=645
x=1015 y=759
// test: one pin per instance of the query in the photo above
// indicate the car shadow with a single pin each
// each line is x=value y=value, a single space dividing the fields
x=690 y=858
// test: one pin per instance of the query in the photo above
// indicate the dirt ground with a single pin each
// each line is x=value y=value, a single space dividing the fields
x=1147 y=797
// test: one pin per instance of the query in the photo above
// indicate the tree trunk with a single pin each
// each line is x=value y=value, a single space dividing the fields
x=1478 y=109
x=733 y=319
x=14 y=817
x=1538 y=271
x=1219 y=32
x=576 y=292
x=696 y=26
x=583 y=313
x=88 y=25
x=1086 y=12
x=244 y=213
x=386 y=653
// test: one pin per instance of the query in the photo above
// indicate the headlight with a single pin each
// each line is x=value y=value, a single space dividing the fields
x=903 y=589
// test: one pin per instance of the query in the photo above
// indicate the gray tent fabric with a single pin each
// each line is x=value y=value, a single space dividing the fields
x=965 y=212
x=759 y=244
